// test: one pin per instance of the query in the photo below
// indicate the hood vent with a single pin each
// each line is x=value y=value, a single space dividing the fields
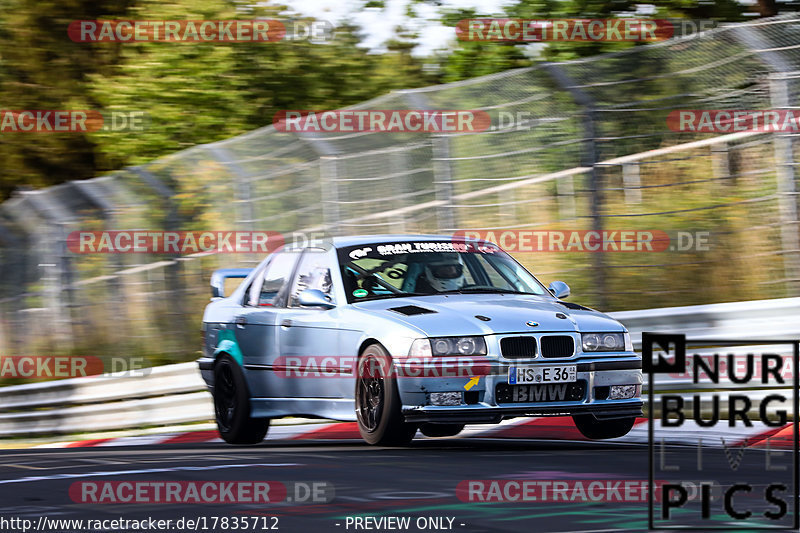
x=570 y=305
x=411 y=310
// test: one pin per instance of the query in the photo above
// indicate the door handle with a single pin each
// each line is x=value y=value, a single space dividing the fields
x=286 y=323
x=240 y=321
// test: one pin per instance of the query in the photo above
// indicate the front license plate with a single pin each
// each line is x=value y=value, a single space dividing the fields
x=522 y=375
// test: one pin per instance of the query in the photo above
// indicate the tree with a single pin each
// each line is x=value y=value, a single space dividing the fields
x=41 y=68
x=192 y=92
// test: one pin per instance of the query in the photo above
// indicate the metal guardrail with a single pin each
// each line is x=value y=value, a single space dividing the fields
x=171 y=394
x=753 y=320
x=147 y=383
x=176 y=394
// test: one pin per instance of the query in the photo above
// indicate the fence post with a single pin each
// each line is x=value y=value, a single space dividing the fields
x=443 y=183
x=632 y=182
x=92 y=192
x=171 y=219
x=400 y=185
x=58 y=274
x=787 y=199
x=14 y=259
x=175 y=305
x=507 y=207
x=328 y=174
x=446 y=219
x=780 y=98
x=589 y=159
x=565 y=189
x=721 y=162
x=244 y=196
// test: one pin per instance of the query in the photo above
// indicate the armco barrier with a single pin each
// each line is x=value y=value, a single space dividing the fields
x=153 y=382
x=176 y=394
x=753 y=320
x=172 y=394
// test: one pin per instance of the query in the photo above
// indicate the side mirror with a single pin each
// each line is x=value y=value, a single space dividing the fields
x=559 y=289
x=314 y=298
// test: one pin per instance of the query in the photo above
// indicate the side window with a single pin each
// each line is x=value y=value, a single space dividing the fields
x=255 y=285
x=276 y=276
x=313 y=273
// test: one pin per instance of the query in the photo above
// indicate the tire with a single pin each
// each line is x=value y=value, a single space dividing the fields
x=377 y=401
x=441 y=430
x=232 y=405
x=595 y=429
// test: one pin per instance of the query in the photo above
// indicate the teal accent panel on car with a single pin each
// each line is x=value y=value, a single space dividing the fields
x=226 y=342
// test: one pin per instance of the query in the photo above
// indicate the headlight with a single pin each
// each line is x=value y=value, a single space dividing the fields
x=605 y=342
x=420 y=348
x=448 y=346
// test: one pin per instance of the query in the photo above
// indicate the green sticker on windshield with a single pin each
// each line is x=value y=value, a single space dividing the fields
x=359 y=293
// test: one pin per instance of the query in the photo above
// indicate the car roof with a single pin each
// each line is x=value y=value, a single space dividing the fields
x=358 y=240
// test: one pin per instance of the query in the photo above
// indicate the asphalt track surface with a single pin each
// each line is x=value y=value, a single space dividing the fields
x=416 y=481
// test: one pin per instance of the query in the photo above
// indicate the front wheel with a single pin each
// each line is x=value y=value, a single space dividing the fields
x=595 y=429
x=232 y=405
x=378 y=406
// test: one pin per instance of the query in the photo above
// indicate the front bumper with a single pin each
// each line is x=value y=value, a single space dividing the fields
x=480 y=402
x=492 y=414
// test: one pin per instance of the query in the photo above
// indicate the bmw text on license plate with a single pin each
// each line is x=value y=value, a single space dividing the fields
x=521 y=375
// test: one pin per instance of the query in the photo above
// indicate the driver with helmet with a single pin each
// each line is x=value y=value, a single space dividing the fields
x=445 y=272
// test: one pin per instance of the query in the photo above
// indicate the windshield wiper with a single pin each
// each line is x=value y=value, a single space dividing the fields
x=483 y=290
x=385 y=296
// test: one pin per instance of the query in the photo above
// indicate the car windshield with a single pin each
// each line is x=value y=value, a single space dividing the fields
x=397 y=269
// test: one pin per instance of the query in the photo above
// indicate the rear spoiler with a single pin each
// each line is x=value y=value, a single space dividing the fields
x=219 y=276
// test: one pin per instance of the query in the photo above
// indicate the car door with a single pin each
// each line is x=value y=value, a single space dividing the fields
x=311 y=336
x=256 y=325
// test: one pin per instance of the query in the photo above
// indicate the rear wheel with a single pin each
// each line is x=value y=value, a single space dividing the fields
x=232 y=405
x=441 y=430
x=595 y=429
x=378 y=406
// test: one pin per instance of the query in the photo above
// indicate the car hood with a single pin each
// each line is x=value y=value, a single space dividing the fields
x=455 y=314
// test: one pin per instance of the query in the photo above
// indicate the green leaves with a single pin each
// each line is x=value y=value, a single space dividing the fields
x=193 y=93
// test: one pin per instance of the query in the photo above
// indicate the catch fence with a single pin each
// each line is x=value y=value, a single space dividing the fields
x=591 y=150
